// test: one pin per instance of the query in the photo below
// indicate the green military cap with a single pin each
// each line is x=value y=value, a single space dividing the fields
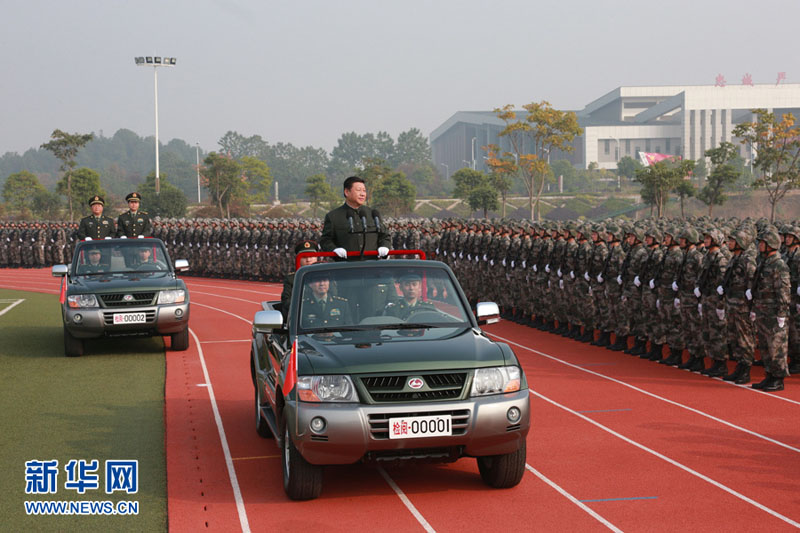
x=133 y=197
x=690 y=234
x=96 y=200
x=306 y=245
x=655 y=233
x=742 y=238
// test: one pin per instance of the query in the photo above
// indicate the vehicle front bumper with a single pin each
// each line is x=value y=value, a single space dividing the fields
x=98 y=322
x=350 y=431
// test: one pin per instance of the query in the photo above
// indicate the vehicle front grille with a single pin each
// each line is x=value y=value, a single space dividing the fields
x=150 y=317
x=379 y=423
x=393 y=388
x=140 y=299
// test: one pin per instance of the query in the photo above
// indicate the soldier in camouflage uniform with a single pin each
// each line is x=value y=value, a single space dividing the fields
x=739 y=278
x=690 y=317
x=771 y=300
x=632 y=289
x=597 y=290
x=667 y=292
x=651 y=317
x=712 y=308
x=611 y=278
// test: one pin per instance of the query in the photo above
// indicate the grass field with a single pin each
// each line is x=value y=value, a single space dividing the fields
x=106 y=405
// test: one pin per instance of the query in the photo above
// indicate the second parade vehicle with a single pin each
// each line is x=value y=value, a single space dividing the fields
x=384 y=361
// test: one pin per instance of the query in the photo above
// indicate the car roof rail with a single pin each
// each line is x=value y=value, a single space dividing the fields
x=368 y=253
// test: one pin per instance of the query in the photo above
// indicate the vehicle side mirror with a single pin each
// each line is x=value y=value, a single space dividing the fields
x=181 y=265
x=487 y=313
x=267 y=321
x=59 y=271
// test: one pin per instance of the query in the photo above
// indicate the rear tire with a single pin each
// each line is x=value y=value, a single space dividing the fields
x=180 y=340
x=301 y=479
x=262 y=428
x=73 y=347
x=503 y=471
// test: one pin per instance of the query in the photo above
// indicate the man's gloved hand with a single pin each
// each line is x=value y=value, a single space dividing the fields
x=124 y=237
x=572 y=274
x=675 y=286
x=697 y=291
x=752 y=316
x=140 y=237
x=652 y=284
x=341 y=252
x=721 y=314
x=108 y=238
x=547 y=268
x=798 y=290
x=561 y=284
x=720 y=290
x=586 y=276
x=558 y=272
x=637 y=281
x=700 y=309
x=383 y=251
x=484 y=257
x=535 y=268
x=781 y=321
x=88 y=239
x=748 y=294
x=619 y=279
x=676 y=303
x=599 y=278
x=512 y=263
x=491 y=262
x=504 y=261
x=658 y=303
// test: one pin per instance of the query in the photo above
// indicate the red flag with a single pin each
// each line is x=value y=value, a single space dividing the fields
x=63 y=291
x=291 y=371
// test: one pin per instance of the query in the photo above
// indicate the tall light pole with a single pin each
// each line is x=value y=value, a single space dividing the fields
x=197 y=145
x=155 y=62
x=447 y=170
x=472 y=145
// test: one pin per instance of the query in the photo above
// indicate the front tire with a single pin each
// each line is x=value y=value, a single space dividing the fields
x=73 y=347
x=179 y=342
x=503 y=471
x=301 y=479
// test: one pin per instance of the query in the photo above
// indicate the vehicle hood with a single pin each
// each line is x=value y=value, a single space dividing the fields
x=466 y=349
x=134 y=281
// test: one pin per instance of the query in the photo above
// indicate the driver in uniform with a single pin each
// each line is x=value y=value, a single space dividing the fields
x=94 y=265
x=411 y=302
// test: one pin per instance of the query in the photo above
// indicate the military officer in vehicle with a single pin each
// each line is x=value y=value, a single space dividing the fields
x=305 y=245
x=94 y=265
x=97 y=225
x=134 y=223
x=344 y=231
x=411 y=302
x=319 y=307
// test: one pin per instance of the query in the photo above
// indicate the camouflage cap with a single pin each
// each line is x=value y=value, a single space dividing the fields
x=771 y=238
x=690 y=234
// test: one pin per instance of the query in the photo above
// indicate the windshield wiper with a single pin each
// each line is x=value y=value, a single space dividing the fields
x=334 y=329
x=416 y=325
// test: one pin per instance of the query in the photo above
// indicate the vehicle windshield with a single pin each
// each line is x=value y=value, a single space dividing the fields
x=97 y=258
x=399 y=298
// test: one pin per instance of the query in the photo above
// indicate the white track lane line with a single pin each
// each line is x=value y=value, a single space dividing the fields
x=224 y=296
x=410 y=506
x=223 y=311
x=230 y=288
x=573 y=499
x=237 y=493
x=673 y=462
x=12 y=306
x=656 y=396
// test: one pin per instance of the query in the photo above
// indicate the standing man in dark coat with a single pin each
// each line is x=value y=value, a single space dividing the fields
x=97 y=225
x=336 y=231
x=134 y=223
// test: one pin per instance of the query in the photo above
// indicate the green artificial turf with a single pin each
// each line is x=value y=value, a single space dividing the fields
x=105 y=405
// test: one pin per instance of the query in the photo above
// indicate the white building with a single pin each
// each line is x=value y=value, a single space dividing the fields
x=678 y=120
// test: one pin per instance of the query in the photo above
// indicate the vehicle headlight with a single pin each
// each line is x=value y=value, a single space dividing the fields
x=326 y=389
x=172 y=297
x=76 y=301
x=496 y=380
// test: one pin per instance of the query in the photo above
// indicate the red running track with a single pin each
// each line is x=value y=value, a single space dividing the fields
x=617 y=443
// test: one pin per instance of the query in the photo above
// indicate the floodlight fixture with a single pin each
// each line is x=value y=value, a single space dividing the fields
x=149 y=60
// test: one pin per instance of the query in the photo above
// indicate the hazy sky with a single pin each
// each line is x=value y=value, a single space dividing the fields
x=307 y=71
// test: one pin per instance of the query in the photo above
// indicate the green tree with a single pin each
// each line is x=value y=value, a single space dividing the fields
x=395 y=195
x=467 y=179
x=777 y=145
x=700 y=171
x=412 y=148
x=659 y=179
x=484 y=197
x=723 y=174
x=318 y=190
x=65 y=146
x=684 y=189
x=169 y=202
x=542 y=131
x=20 y=190
x=84 y=183
x=46 y=205
x=627 y=167
x=223 y=178
x=374 y=171
x=259 y=179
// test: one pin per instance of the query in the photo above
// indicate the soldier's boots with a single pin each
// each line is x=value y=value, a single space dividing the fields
x=770 y=383
x=604 y=339
x=693 y=364
x=794 y=366
x=758 y=362
x=620 y=344
x=740 y=374
x=719 y=368
x=639 y=347
x=656 y=352
x=674 y=359
x=588 y=335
